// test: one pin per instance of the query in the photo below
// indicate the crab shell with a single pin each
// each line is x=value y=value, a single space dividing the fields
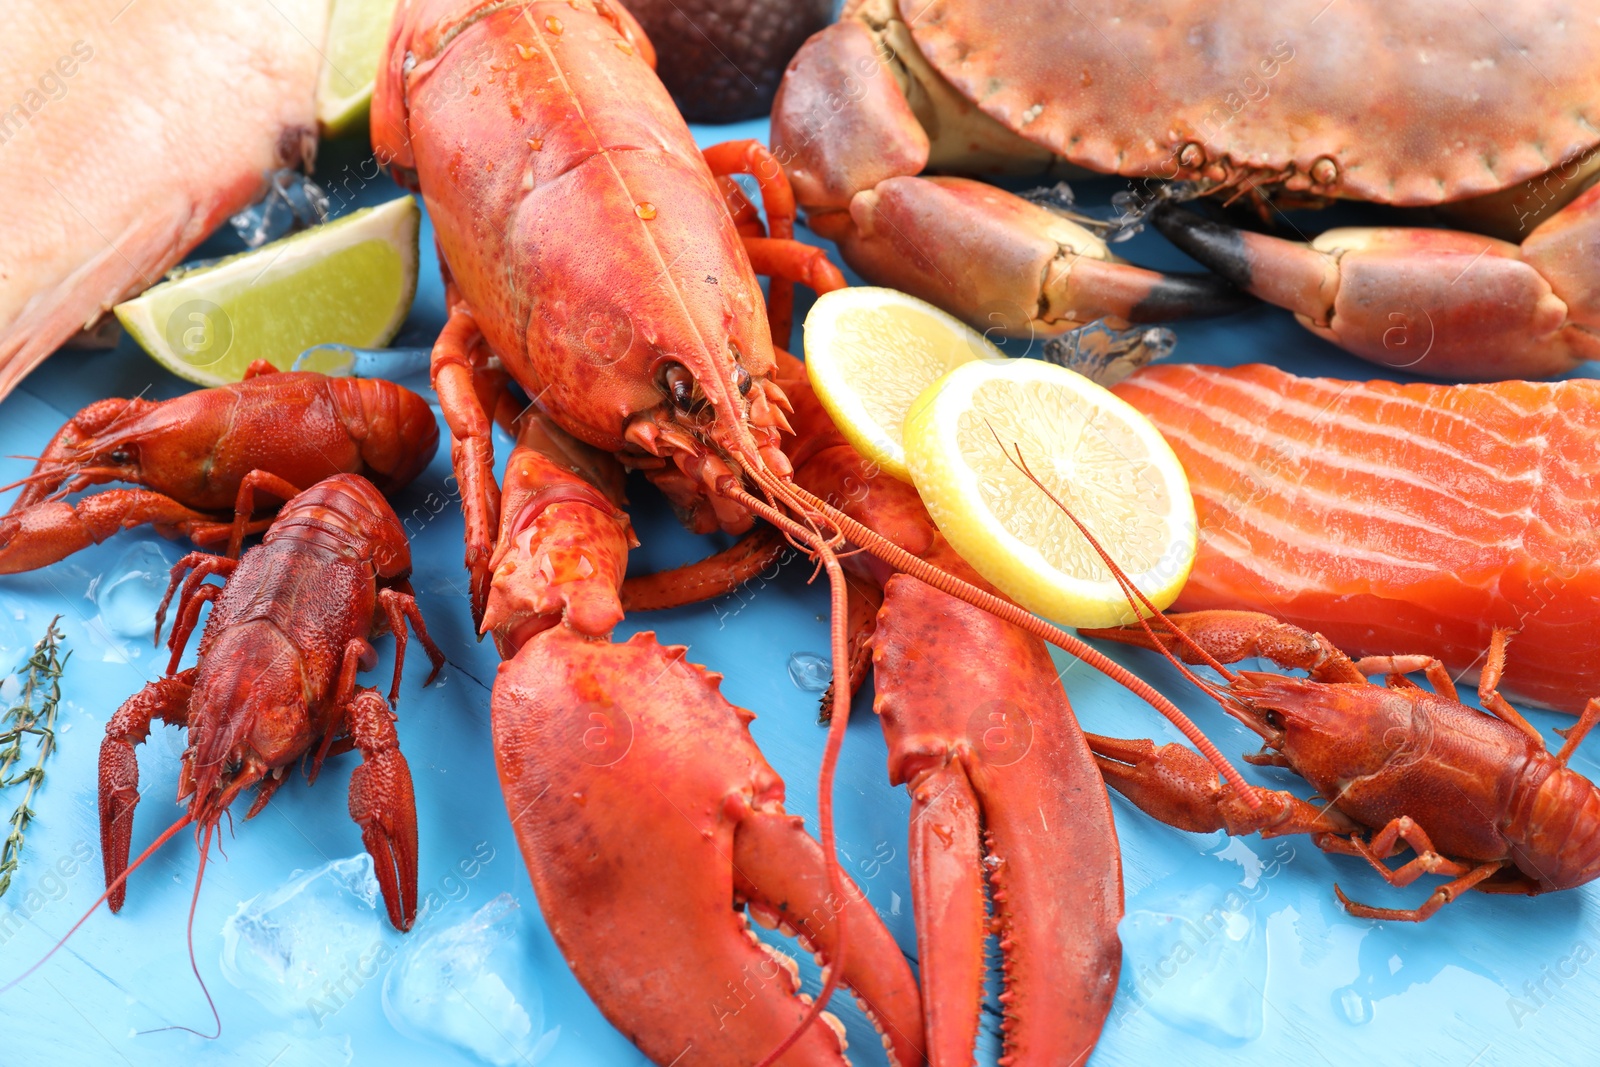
x=1404 y=102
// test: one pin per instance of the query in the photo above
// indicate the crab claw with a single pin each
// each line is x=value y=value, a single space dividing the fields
x=1007 y=265
x=1002 y=783
x=1437 y=302
x=648 y=818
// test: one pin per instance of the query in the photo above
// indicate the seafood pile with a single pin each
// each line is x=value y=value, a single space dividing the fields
x=604 y=308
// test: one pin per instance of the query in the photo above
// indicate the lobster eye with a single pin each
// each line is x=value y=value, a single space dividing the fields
x=120 y=456
x=1274 y=720
x=742 y=379
x=680 y=386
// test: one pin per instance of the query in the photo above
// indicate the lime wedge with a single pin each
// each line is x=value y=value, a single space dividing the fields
x=357 y=32
x=349 y=281
x=1094 y=452
x=870 y=352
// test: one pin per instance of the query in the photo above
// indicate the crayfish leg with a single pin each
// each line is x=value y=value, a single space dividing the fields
x=166 y=699
x=1440 y=897
x=44 y=533
x=383 y=803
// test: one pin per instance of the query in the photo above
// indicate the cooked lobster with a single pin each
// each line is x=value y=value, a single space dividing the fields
x=588 y=245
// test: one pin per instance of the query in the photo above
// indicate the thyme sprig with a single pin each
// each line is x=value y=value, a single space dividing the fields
x=41 y=682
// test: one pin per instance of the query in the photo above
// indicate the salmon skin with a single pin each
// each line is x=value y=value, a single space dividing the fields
x=1398 y=518
x=128 y=132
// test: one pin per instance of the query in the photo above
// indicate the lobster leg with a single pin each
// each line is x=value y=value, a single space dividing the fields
x=646 y=816
x=383 y=803
x=752 y=158
x=166 y=699
x=984 y=737
x=46 y=532
x=757 y=551
x=453 y=369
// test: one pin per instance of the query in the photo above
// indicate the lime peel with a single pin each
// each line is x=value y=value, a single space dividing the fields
x=350 y=281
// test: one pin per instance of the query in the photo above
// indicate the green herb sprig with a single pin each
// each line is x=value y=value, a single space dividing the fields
x=41 y=682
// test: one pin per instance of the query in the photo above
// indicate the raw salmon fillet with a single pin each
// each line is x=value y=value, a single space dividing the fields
x=1398 y=518
x=128 y=132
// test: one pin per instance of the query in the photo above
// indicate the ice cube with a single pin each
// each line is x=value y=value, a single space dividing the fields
x=470 y=985
x=307 y=947
x=128 y=594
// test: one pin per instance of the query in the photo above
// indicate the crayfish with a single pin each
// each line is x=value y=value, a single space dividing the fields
x=204 y=457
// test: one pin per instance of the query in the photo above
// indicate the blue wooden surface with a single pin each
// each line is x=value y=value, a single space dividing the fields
x=1236 y=951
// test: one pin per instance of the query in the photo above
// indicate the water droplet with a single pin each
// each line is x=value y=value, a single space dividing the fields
x=1355 y=1008
x=810 y=672
x=645 y=210
x=1197 y=961
x=553 y=24
x=127 y=594
x=524 y=51
x=536 y=143
x=624 y=47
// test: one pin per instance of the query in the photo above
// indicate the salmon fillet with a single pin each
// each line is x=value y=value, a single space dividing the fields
x=1398 y=518
x=128 y=132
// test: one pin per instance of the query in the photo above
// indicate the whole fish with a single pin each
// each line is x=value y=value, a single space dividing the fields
x=128 y=132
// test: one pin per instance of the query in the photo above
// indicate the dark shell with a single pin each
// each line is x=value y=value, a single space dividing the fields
x=722 y=59
x=1398 y=101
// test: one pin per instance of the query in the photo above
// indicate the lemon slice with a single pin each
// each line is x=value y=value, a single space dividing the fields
x=870 y=352
x=349 y=281
x=357 y=32
x=1102 y=458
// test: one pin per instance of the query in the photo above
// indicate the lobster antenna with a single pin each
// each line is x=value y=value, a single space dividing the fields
x=1130 y=591
x=925 y=572
x=166 y=835
x=1125 y=583
x=837 y=722
x=205 y=852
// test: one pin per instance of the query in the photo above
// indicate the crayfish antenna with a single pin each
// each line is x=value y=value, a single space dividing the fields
x=1130 y=591
x=166 y=835
x=205 y=851
x=920 y=569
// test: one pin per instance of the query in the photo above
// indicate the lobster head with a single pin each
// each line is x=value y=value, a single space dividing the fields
x=595 y=250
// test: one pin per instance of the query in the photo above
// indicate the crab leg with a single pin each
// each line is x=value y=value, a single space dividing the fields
x=992 y=258
x=1438 y=302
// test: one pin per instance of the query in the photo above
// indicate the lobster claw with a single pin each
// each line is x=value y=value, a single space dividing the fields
x=647 y=816
x=1002 y=784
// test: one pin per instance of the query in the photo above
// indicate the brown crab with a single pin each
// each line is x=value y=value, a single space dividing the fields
x=1400 y=102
